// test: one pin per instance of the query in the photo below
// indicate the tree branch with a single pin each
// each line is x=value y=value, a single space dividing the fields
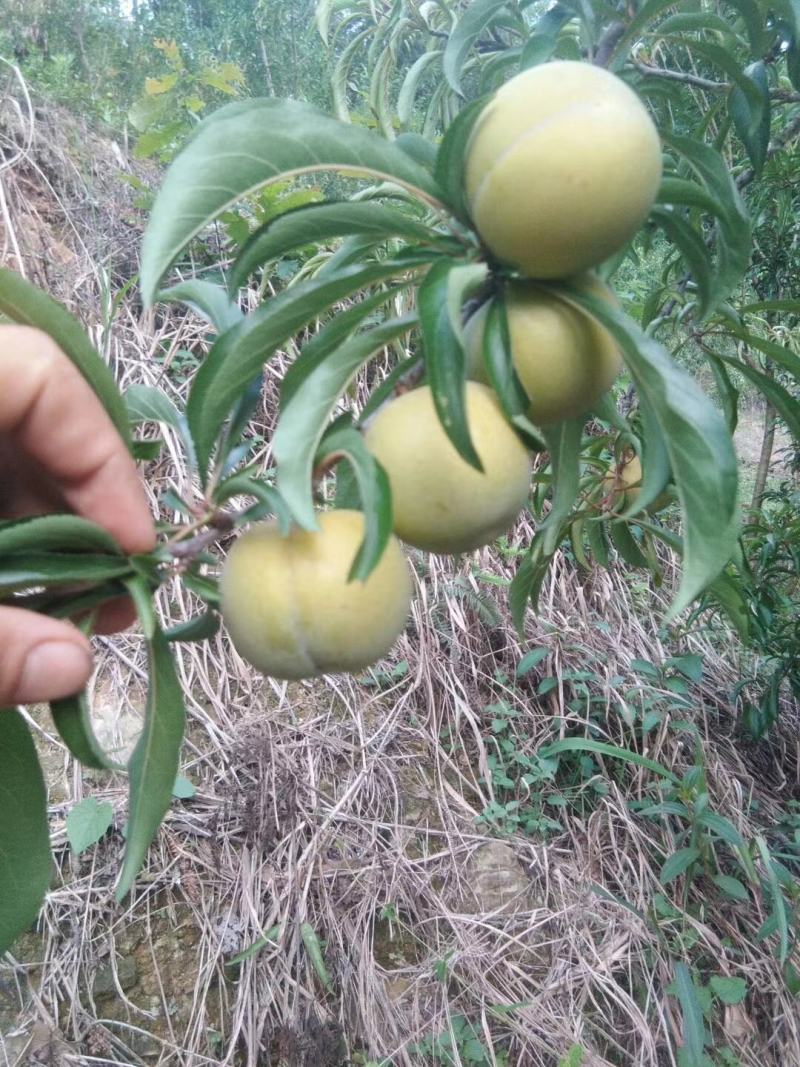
x=680 y=76
x=608 y=43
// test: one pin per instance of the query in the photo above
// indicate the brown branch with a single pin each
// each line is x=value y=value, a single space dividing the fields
x=608 y=43
x=222 y=523
x=680 y=76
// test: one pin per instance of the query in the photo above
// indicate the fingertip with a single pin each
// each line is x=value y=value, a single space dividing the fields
x=54 y=670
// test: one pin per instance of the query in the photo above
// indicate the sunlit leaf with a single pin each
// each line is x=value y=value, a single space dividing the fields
x=248 y=144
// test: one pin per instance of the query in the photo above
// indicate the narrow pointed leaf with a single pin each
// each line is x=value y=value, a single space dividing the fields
x=564 y=444
x=145 y=403
x=209 y=300
x=698 y=444
x=57 y=533
x=318 y=223
x=155 y=762
x=693 y=1026
x=248 y=144
x=440 y=299
x=450 y=159
x=25 y=862
x=238 y=355
x=303 y=419
x=466 y=32
x=374 y=496
x=33 y=569
x=752 y=119
x=73 y=722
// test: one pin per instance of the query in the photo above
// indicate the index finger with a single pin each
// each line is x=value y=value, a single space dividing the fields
x=50 y=412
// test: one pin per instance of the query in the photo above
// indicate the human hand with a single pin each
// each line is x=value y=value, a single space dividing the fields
x=59 y=451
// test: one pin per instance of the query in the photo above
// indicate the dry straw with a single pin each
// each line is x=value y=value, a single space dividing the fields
x=354 y=808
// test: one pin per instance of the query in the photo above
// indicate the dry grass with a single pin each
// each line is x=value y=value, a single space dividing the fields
x=353 y=808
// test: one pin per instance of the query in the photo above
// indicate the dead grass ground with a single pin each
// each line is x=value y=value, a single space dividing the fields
x=355 y=808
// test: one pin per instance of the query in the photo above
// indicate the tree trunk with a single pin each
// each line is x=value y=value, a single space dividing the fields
x=267 y=67
x=765 y=459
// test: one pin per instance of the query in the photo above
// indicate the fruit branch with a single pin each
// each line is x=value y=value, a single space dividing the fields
x=680 y=76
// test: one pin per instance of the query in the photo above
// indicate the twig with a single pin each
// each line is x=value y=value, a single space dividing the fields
x=680 y=76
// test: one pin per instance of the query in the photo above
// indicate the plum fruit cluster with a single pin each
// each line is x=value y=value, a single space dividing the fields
x=562 y=168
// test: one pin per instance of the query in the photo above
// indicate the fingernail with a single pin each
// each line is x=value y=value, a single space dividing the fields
x=53 y=670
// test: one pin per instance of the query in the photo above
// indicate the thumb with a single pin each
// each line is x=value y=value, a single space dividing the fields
x=40 y=658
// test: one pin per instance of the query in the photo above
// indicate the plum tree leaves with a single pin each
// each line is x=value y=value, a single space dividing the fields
x=248 y=144
x=698 y=445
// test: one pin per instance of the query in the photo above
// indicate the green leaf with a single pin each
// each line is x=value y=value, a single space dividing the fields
x=333 y=334
x=183 y=789
x=239 y=354
x=87 y=823
x=689 y=665
x=201 y=628
x=732 y=887
x=25 y=861
x=698 y=444
x=373 y=492
x=564 y=445
x=778 y=913
x=722 y=827
x=146 y=451
x=408 y=90
x=693 y=1027
x=678 y=863
x=153 y=767
x=419 y=148
x=626 y=544
x=463 y=36
x=25 y=304
x=686 y=193
x=303 y=419
x=387 y=388
x=692 y=247
x=440 y=299
x=655 y=461
x=145 y=403
x=449 y=170
x=317 y=223
x=584 y=744
x=147 y=144
x=314 y=950
x=62 y=533
x=530 y=660
x=502 y=376
x=269 y=938
x=729 y=990
x=543 y=40
x=247 y=145
x=727 y=392
x=752 y=118
x=53 y=568
x=783 y=402
x=209 y=300
x=734 y=229
x=73 y=722
x=792 y=306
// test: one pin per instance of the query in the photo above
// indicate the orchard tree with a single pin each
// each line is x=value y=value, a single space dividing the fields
x=481 y=227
